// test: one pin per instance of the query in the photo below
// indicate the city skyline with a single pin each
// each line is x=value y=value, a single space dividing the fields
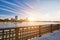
x=31 y=9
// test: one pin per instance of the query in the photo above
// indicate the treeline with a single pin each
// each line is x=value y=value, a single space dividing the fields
x=6 y=20
x=13 y=20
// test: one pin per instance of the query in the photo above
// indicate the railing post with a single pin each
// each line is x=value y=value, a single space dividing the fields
x=17 y=33
x=39 y=31
x=3 y=34
x=51 y=28
x=9 y=33
x=57 y=26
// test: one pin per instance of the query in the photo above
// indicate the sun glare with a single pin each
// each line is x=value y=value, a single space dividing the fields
x=30 y=18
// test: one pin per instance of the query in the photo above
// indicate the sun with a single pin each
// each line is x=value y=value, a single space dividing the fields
x=30 y=18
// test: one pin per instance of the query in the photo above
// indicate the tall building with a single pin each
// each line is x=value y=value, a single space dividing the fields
x=16 y=17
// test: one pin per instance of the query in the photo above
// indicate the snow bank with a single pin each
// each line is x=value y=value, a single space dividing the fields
x=49 y=36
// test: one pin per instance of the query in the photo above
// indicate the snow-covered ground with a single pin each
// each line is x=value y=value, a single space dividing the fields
x=49 y=36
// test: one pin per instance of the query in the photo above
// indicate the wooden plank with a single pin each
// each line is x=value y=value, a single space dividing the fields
x=17 y=35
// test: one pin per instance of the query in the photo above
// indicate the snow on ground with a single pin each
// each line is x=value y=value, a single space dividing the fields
x=49 y=36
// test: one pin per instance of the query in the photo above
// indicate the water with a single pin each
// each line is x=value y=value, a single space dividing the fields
x=17 y=24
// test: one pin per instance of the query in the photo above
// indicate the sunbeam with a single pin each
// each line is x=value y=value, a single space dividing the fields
x=38 y=9
x=14 y=5
x=8 y=8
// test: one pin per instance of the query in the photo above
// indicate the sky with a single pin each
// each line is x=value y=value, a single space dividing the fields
x=36 y=9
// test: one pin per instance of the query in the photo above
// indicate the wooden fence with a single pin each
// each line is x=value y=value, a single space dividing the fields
x=26 y=32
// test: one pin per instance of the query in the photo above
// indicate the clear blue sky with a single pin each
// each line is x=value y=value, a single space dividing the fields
x=38 y=9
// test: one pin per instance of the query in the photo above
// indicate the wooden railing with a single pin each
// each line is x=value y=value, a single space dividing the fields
x=26 y=32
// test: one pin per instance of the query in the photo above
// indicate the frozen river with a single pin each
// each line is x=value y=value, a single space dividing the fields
x=17 y=24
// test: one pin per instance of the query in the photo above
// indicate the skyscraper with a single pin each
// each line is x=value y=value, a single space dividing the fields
x=16 y=17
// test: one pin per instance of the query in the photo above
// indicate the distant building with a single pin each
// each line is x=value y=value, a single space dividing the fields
x=12 y=20
x=16 y=17
x=26 y=19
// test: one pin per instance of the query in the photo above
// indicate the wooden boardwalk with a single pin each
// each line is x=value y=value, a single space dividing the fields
x=26 y=32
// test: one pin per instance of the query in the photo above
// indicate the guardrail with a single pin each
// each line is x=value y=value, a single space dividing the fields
x=26 y=32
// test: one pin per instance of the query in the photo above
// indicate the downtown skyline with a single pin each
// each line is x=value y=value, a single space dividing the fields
x=35 y=9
